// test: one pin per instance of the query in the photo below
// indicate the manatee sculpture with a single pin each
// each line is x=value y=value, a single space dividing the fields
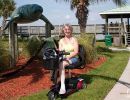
x=26 y=14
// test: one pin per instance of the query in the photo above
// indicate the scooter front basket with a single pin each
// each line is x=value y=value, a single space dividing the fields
x=50 y=58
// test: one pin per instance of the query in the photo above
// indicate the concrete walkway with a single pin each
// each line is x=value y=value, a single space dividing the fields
x=121 y=90
x=117 y=49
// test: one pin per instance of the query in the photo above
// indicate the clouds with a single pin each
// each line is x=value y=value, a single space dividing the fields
x=67 y=17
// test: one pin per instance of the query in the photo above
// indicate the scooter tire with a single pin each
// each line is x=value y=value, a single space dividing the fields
x=84 y=85
x=51 y=95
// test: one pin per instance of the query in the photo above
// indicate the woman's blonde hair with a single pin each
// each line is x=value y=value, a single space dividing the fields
x=62 y=29
x=67 y=25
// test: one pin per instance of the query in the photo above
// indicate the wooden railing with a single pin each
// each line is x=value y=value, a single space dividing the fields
x=40 y=30
x=27 y=31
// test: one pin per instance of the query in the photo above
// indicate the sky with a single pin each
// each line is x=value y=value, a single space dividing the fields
x=59 y=13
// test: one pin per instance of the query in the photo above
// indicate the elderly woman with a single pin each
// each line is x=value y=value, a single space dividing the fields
x=69 y=44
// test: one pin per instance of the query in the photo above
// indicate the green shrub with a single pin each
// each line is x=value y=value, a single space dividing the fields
x=103 y=49
x=33 y=45
x=4 y=62
x=4 y=56
x=23 y=48
x=87 y=41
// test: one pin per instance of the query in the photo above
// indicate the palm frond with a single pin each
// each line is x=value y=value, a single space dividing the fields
x=74 y=3
x=119 y=2
x=6 y=7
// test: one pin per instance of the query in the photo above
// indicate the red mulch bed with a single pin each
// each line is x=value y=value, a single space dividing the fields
x=33 y=78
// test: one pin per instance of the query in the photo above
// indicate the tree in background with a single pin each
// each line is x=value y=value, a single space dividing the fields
x=82 y=9
x=6 y=8
x=81 y=13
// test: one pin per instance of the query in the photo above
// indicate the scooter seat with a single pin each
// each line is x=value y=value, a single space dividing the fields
x=77 y=65
x=82 y=60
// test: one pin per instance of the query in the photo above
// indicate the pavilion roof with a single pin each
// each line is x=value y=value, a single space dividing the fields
x=119 y=12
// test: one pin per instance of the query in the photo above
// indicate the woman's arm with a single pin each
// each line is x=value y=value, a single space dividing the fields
x=60 y=45
x=76 y=49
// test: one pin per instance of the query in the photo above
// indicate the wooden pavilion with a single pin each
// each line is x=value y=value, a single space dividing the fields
x=121 y=12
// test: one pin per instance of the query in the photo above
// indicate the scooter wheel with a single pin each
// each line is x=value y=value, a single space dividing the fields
x=51 y=95
x=81 y=85
x=84 y=85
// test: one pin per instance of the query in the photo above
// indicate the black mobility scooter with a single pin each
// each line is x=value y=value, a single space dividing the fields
x=51 y=59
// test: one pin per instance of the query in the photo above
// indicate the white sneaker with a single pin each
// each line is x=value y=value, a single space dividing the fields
x=62 y=91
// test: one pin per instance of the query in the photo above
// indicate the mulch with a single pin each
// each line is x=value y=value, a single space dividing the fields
x=33 y=78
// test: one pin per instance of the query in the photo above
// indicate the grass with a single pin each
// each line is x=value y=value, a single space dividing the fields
x=100 y=81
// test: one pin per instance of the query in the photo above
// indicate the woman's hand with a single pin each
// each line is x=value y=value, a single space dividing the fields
x=67 y=58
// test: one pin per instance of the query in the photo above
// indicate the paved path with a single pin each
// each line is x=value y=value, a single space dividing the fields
x=121 y=90
x=117 y=49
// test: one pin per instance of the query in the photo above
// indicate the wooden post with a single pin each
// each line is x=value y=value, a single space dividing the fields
x=16 y=41
x=128 y=25
x=12 y=45
x=121 y=30
x=106 y=25
x=38 y=30
x=47 y=30
x=29 y=32
x=94 y=39
x=125 y=34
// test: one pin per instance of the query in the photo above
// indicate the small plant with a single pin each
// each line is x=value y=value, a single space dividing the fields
x=4 y=56
x=4 y=62
x=87 y=41
x=33 y=45
x=103 y=49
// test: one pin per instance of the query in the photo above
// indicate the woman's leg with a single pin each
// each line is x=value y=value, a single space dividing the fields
x=62 y=76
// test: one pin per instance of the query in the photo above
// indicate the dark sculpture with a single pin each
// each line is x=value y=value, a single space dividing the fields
x=26 y=14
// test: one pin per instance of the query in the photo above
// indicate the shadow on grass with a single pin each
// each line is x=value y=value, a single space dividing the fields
x=89 y=78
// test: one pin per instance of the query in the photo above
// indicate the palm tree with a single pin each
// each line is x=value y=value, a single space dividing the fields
x=81 y=13
x=6 y=8
x=82 y=9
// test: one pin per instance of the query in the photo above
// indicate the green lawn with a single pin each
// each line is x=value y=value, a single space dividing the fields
x=100 y=81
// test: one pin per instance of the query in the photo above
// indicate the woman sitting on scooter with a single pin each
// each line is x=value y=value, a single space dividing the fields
x=69 y=44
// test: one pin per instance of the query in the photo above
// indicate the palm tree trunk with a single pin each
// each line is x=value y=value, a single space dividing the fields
x=81 y=15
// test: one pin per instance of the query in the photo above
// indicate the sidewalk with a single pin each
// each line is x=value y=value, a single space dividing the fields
x=121 y=90
x=117 y=49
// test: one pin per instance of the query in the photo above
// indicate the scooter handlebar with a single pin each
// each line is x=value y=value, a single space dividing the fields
x=61 y=53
